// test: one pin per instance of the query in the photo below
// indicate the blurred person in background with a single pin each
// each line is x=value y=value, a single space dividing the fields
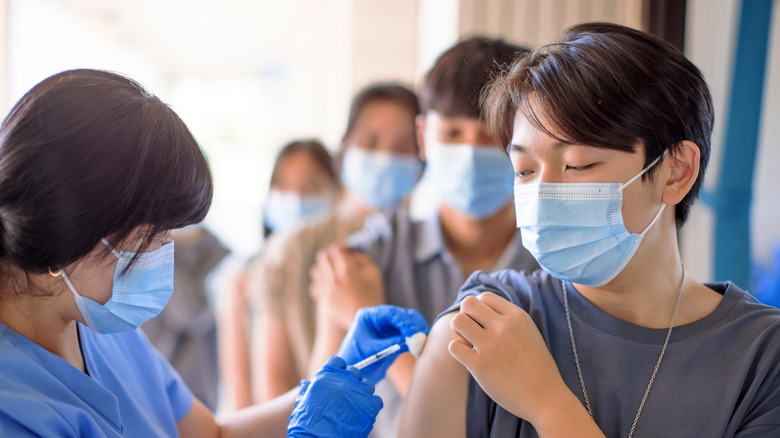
x=185 y=332
x=303 y=186
x=421 y=264
x=379 y=166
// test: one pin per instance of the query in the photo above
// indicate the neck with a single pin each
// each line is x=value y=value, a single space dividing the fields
x=645 y=291
x=469 y=238
x=44 y=320
x=356 y=206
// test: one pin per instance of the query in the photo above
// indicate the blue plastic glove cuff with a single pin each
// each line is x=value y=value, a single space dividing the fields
x=376 y=328
x=335 y=403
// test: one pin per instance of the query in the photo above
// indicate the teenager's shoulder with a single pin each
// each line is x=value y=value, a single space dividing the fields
x=509 y=283
x=745 y=308
x=518 y=287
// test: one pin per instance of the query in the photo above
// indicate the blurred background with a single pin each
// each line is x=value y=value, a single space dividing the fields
x=249 y=75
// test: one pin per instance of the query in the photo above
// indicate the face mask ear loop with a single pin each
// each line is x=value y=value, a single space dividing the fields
x=657 y=215
x=649 y=166
x=70 y=285
x=113 y=251
x=79 y=298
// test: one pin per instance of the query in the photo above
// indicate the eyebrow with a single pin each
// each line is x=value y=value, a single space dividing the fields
x=513 y=147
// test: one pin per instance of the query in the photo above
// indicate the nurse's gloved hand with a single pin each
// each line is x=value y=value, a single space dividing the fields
x=335 y=403
x=376 y=328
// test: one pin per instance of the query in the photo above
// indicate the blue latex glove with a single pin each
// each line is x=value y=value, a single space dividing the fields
x=336 y=403
x=376 y=328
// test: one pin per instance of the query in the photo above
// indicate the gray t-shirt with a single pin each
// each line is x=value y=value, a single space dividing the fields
x=419 y=273
x=720 y=375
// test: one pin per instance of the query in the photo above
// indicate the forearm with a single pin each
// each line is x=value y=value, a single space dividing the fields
x=268 y=419
x=234 y=349
x=327 y=339
x=565 y=418
x=273 y=364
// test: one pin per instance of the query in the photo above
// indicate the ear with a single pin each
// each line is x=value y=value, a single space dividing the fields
x=683 y=170
x=419 y=123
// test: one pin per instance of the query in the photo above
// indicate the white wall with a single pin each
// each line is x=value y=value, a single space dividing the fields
x=333 y=49
x=533 y=22
x=45 y=38
x=268 y=73
x=437 y=29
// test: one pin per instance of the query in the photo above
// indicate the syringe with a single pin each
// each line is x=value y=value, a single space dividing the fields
x=414 y=342
x=375 y=357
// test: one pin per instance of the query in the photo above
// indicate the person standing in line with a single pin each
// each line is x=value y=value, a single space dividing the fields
x=420 y=264
x=304 y=187
x=378 y=167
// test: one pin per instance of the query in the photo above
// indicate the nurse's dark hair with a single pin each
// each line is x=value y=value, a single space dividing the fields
x=453 y=85
x=608 y=86
x=88 y=154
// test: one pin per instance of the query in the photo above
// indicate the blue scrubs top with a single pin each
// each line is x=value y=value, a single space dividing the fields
x=131 y=390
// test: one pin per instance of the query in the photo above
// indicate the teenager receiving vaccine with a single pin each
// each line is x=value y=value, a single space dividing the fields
x=608 y=130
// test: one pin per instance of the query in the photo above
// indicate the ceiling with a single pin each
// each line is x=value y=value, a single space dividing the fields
x=203 y=37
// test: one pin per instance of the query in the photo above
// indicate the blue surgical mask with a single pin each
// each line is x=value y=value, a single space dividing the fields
x=139 y=293
x=473 y=179
x=576 y=231
x=286 y=210
x=379 y=179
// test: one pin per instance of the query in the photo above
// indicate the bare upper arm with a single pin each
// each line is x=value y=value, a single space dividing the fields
x=435 y=405
x=272 y=358
x=233 y=344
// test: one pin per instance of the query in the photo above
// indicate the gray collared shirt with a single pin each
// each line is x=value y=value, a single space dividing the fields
x=419 y=273
x=419 y=270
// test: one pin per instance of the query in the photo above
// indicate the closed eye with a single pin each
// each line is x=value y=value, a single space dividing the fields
x=580 y=168
x=522 y=176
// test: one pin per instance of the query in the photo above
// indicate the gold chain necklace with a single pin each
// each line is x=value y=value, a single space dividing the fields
x=655 y=370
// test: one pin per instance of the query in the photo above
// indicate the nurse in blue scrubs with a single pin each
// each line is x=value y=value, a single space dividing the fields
x=94 y=173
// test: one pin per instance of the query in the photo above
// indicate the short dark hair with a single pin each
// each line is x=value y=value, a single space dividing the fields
x=396 y=93
x=453 y=85
x=315 y=150
x=608 y=86
x=87 y=154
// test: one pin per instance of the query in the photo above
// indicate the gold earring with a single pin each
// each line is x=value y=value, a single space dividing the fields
x=55 y=274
